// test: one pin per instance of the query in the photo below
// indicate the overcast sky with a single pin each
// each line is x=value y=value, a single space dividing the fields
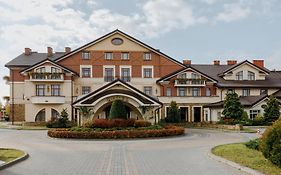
x=200 y=30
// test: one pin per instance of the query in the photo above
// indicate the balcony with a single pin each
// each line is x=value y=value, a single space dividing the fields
x=55 y=77
x=190 y=82
x=48 y=99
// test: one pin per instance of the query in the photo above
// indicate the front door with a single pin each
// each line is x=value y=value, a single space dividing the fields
x=197 y=114
x=184 y=113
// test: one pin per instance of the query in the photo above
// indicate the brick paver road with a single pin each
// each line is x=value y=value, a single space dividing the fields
x=177 y=156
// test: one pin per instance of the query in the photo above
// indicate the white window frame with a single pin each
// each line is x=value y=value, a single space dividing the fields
x=150 y=88
x=254 y=112
x=86 y=66
x=125 y=53
x=185 y=91
x=109 y=66
x=147 y=53
x=248 y=94
x=85 y=53
x=152 y=71
x=166 y=94
x=105 y=53
x=253 y=73
x=125 y=66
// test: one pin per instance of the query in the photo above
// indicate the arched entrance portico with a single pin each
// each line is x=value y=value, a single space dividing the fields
x=138 y=104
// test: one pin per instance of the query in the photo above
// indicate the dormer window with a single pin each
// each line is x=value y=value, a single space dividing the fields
x=183 y=75
x=55 y=70
x=251 y=75
x=41 y=70
x=239 y=75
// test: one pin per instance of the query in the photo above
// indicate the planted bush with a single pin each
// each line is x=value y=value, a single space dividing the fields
x=142 y=123
x=104 y=123
x=271 y=143
x=117 y=110
x=61 y=122
x=253 y=144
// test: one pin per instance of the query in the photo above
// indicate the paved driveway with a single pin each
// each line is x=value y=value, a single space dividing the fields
x=178 y=155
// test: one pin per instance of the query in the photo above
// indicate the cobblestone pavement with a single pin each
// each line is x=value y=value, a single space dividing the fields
x=178 y=155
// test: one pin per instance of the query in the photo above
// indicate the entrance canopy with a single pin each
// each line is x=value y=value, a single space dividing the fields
x=117 y=89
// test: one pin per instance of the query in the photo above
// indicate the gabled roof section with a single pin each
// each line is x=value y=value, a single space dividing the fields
x=126 y=36
x=167 y=77
x=241 y=63
x=247 y=101
x=27 y=60
x=48 y=61
x=106 y=89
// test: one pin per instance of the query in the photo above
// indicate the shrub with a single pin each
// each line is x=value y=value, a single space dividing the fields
x=118 y=110
x=271 y=143
x=142 y=123
x=232 y=107
x=88 y=133
x=104 y=123
x=271 y=109
x=259 y=120
x=60 y=122
x=253 y=144
x=244 y=120
x=173 y=113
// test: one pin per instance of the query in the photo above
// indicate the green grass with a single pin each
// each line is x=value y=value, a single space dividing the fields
x=8 y=155
x=244 y=156
x=32 y=128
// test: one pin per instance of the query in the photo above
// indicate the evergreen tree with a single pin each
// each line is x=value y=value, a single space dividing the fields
x=173 y=113
x=117 y=110
x=232 y=107
x=271 y=110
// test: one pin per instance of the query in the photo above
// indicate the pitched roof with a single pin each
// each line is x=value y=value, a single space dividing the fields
x=247 y=101
x=51 y=61
x=103 y=88
x=244 y=62
x=27 y=60
x=128 y=37
x=183 y=70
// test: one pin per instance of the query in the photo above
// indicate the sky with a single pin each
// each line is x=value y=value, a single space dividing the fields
x=199 y=30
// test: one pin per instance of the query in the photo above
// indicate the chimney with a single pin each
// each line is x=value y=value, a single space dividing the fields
x=186 y=62
x=49 y=51
x=27 y=51
x=216 y=62
x=259 y=63
x=67 y=49
x=231 y=62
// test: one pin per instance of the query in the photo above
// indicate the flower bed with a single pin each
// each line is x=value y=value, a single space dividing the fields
x=116 y=134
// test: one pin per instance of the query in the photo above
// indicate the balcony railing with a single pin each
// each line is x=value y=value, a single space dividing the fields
x=126 y=78
x=190 y=82
x=48 y=99
x=34 y=76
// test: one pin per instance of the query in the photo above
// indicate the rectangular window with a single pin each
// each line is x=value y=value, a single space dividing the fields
x=55 y=70
x=263 y=92
x=41 y=70
x=55 y=90
x=168 y=92
x=254 y=113
x=86 y=72
x=147 y=72
x=182 y=91
x=182 y=76
x=108 y=55
x=195 y=76
x=147 y=56
x=147 y=90
x=40 y=90
x=239 y=75
x=86 y=55
x=86 y=90
x=108 y=74
x=195 y=92
x=125 y=74
x=230 y=91
x=208 y=92
x=125 y=56
x=246 y=92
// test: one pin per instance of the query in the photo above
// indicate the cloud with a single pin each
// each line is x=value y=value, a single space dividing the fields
x=233 y=12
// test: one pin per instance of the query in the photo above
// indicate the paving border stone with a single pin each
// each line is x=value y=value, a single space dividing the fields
x=15 y=161
x=234 y=165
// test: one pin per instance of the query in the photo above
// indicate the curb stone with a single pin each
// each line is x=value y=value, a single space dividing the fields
x=13 y=162
x=234 y=165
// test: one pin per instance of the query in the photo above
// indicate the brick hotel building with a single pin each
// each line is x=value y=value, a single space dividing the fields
x=118 y=66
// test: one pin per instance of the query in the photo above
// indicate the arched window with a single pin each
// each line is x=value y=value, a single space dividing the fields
x=239 y=75
x=41 y=116
x=55 y=114
x=251 y=75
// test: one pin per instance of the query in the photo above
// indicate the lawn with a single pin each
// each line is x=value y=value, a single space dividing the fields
x=244 y=156
x=8 y=155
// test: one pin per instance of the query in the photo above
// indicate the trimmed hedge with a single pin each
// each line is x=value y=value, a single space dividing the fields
x=116 y=134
